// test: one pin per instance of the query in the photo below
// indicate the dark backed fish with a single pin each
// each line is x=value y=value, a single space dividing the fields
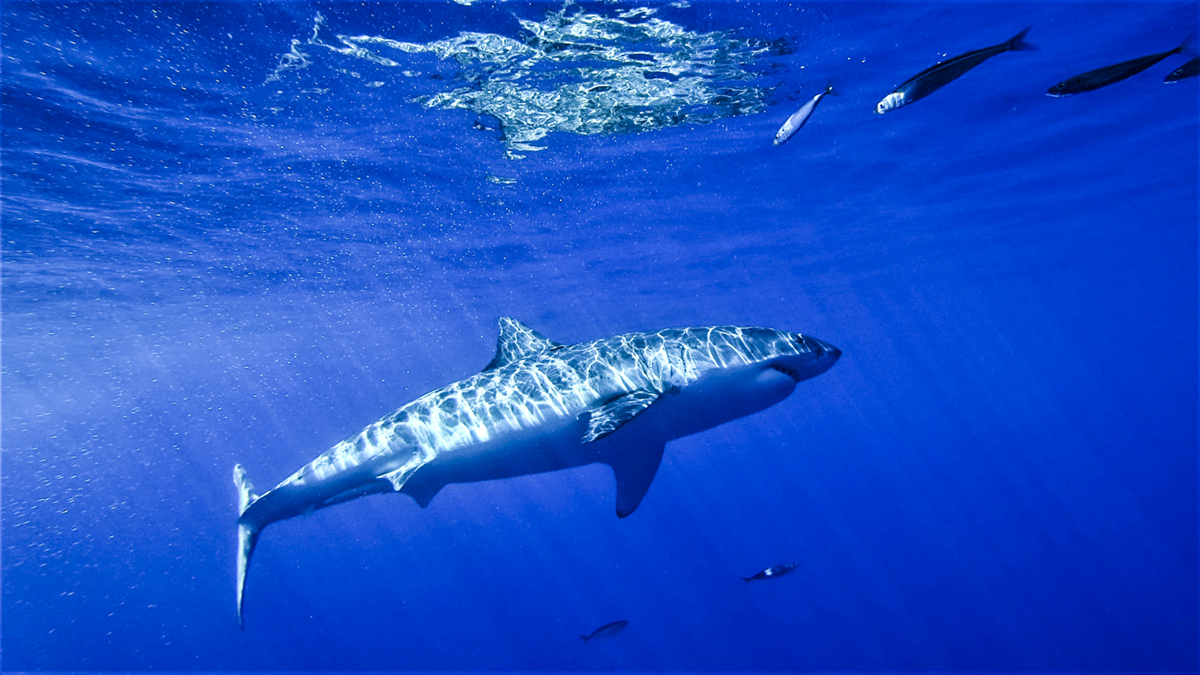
x=771 y=572
x=1102 y=77
x=1187 y=70
x=939 y=75
x=798 y=118
x=606 y=630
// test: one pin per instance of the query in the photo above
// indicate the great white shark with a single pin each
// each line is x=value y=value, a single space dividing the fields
x=543 y=406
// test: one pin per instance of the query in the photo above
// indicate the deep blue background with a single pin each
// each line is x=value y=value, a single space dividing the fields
x=202 y=267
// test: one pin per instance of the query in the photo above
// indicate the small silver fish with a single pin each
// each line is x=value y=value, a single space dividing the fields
x=798 y=118
x=605 y=630
x=771 y=572
x=1187 y=70
x=1102 y=77
x=940 y=74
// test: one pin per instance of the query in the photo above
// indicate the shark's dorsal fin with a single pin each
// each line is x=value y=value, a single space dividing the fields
x=634 y=469
x=517 y=341
x=609 y=417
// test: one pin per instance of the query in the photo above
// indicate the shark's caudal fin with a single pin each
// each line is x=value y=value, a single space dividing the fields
x=247 y=532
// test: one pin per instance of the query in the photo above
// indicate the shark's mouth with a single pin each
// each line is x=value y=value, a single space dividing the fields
x=787 y=371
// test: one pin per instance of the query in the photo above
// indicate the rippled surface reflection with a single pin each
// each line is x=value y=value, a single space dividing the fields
x=574 y=71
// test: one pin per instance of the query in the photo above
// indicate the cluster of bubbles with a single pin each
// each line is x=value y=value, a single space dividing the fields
x=574 y=71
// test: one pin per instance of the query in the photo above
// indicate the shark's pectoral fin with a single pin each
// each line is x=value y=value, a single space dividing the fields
x=608 y=418
x=635 y=469
x=635 y=460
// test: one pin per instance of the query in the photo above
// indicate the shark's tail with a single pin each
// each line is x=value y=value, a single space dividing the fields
x=247 y=531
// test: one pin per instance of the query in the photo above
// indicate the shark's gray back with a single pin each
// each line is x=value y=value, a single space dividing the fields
x=564 y=381
x=532 y=381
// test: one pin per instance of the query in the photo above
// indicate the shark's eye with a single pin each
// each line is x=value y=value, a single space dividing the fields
x=802 y=343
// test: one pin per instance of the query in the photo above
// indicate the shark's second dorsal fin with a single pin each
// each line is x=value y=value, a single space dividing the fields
x=517 y=341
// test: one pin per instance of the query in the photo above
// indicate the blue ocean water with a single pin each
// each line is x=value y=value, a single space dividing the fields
x=239 y=232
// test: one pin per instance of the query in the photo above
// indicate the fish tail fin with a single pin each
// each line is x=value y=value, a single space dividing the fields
x=1188 y=46
x=247 y=532
x=747 y=579
x=829 y=90
x=1018 y=43
x=584 y=638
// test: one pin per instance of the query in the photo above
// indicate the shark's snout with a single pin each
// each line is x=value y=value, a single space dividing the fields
x=812 y=358
x=819 y=347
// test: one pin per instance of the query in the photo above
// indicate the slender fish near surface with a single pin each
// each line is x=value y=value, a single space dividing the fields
x=771 y=572
x=606 y=630
x=798 y=118
x=1102 y=77
x=939 y=75
x=1187 y=70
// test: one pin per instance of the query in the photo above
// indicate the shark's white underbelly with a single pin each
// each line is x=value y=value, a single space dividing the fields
x=550 y=446
x=558 y=444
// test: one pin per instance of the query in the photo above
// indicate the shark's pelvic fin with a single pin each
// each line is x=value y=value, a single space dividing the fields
x=634 y=470
x=247 y=532
x=517 y=341
x=609 y=417
x=400 y=476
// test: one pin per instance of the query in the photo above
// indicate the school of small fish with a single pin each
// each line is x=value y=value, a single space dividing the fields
x=942 y=73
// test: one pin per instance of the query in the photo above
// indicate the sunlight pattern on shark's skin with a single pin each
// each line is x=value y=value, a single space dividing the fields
x=565 y=381
x=542 y=406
